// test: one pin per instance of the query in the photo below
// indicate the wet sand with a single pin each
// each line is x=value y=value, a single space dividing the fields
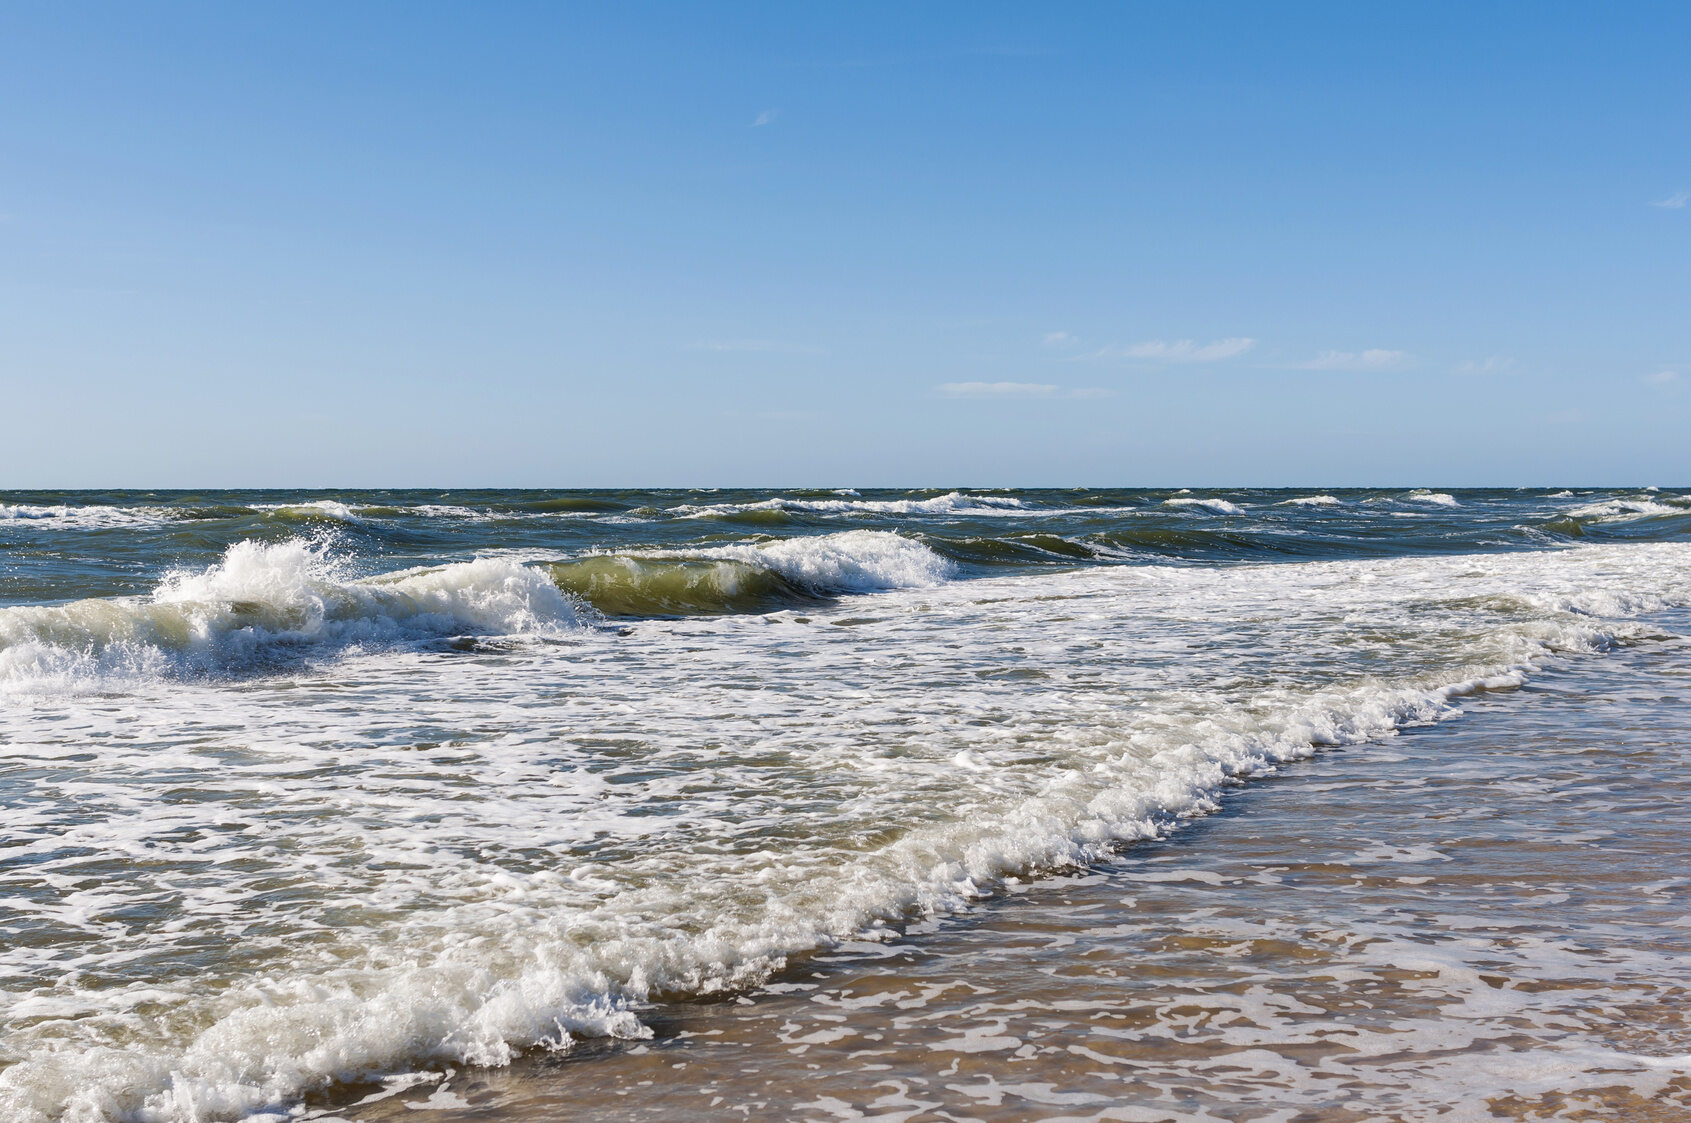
x=1487 y=918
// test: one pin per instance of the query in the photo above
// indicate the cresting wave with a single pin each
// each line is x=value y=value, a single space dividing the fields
x=953 y=503
x=83 y=516
x=523 y=958
x=1219 y=506
x=263 y=604
x=752 y=577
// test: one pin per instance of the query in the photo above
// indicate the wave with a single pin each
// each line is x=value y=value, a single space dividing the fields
x=627 y=585
x=1219 y=506
x=954 y=503
x=1627 y=510
x=265 y=605
x=319 y=509
x=1312 y=501
x=1434 y=498
x=91 y=517
x=749 y=577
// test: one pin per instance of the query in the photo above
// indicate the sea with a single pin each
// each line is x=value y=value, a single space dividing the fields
x=495 y=805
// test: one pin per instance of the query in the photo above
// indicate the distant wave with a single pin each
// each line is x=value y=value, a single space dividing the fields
x=1219 y=506
x=90 y=517
x=954 y=503
x=1627 y=510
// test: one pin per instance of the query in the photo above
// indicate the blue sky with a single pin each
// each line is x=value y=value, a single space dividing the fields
x=972 y=244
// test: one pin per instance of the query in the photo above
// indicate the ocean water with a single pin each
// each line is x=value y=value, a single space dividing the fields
x=481 y=803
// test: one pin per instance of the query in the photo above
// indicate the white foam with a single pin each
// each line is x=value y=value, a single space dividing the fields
x=445 y=511
x=1312 y=501
x=1219 y=506
x=318 y=508
x=1436 y=498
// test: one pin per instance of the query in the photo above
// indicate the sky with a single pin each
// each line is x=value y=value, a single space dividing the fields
x=973 y=244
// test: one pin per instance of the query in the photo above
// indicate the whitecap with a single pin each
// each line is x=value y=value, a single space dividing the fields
x=1219 y=506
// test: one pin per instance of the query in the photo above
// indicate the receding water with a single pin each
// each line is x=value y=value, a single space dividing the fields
x=1128 y=805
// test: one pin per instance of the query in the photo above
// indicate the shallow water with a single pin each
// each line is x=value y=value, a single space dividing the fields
x=299 y=801
x=1480 y=919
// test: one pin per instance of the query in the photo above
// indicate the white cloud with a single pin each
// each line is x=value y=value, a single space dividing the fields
x=767 y=117
x=1673 y=202
x=1662 y=378
x=1016 y=390
x=1180 y=350
x=1059 y=339
x=1494 y=365
x=763 y=346
x=1374 y=358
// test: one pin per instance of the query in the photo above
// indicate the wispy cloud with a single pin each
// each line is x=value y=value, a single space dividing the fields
x=1016 y=390
x=760 y=346
x=767 y=117
x=1179 y=350
x=1662 y=378
x=1374 y=358
x=1493 y=365
x=1673 y=202
x=1059 y=339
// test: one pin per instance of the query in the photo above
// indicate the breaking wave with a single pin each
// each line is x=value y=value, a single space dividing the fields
x=954 y=503
x=1219 y=506
x=86 y=517
x=752 y=577
x=1627 y=510
x=264 y=605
